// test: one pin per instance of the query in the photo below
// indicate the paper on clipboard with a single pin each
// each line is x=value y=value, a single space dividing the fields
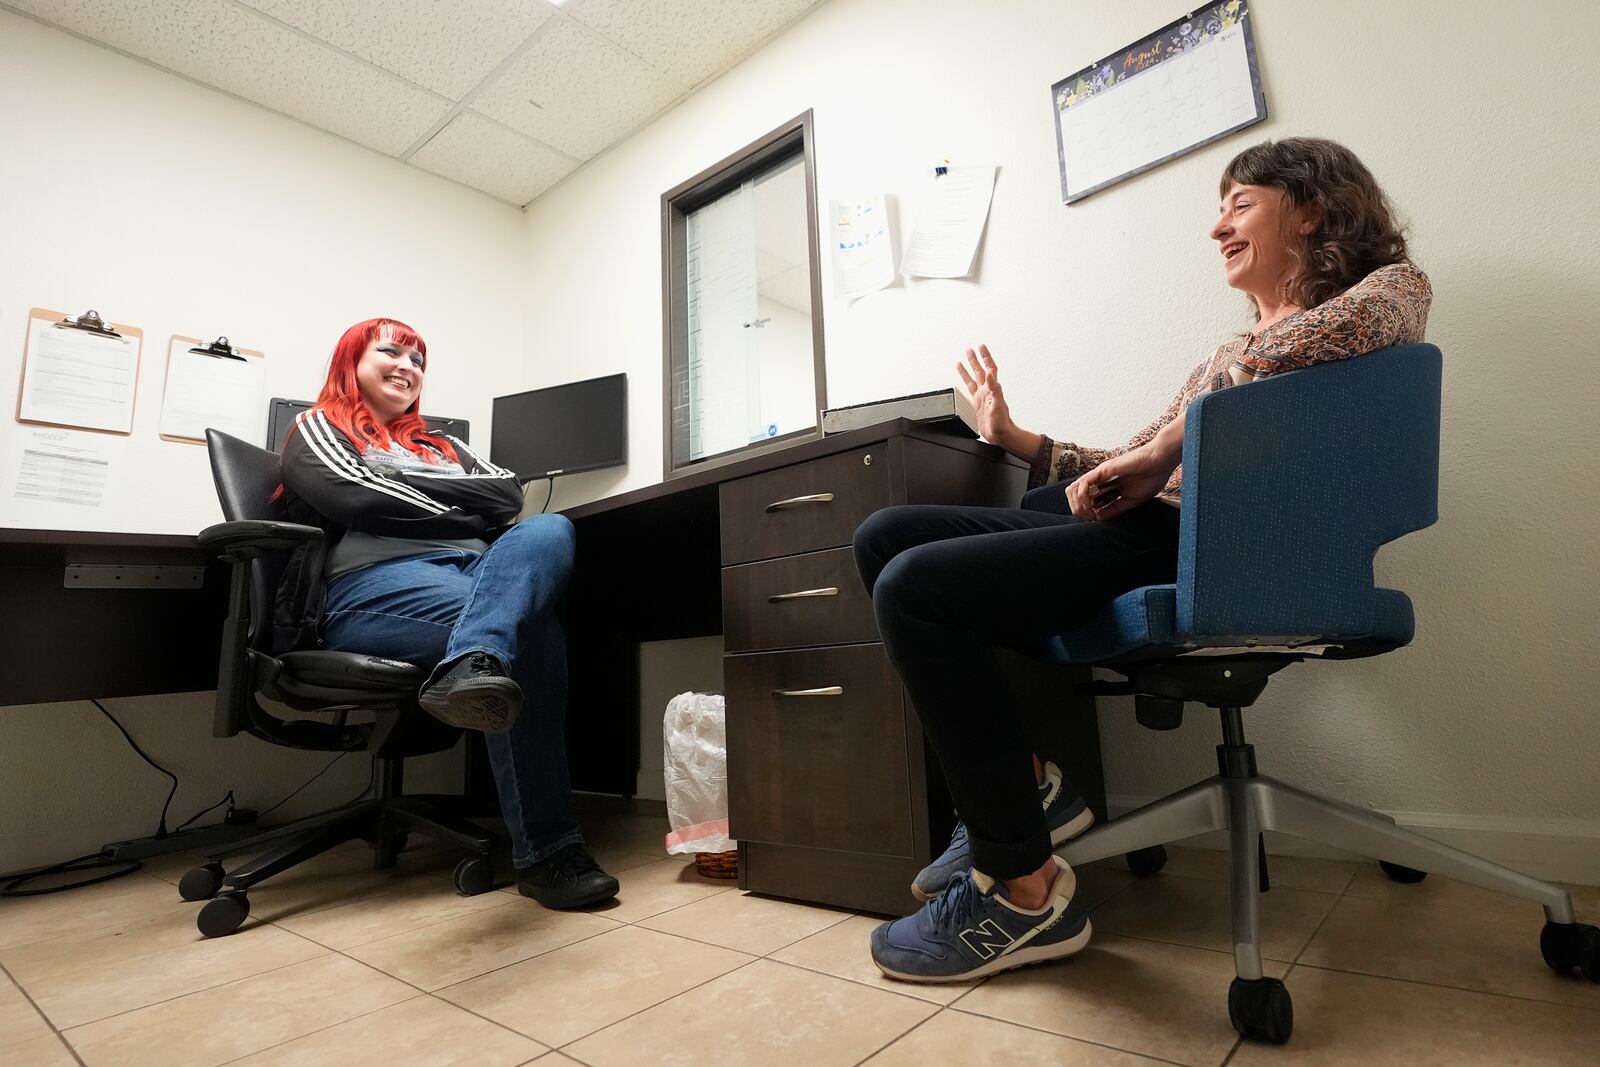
x=950 y=224
x=207 y=391
x=78 y=378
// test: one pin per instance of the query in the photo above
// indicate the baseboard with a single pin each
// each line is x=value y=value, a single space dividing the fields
x=1561 y=850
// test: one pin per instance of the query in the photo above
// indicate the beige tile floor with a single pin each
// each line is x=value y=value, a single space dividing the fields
x=340 y=964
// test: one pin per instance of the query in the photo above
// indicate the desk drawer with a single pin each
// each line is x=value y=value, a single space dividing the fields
x=804 y=507
x=811 y=599
x=821 y=771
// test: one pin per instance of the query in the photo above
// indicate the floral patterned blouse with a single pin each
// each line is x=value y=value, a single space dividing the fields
x=1387 y=307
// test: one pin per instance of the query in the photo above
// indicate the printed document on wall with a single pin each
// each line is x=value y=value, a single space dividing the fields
x=950 y=224
x=863 y=247
x=61 y=467
x=78 y=378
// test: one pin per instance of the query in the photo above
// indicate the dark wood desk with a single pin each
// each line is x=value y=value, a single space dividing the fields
x=834 y=800
x=60 y=643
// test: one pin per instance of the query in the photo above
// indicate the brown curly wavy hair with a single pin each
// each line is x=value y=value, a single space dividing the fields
x=1359 y=231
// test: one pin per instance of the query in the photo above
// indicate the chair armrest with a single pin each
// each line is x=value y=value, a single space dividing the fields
x=250 y=538
x=1291 y=483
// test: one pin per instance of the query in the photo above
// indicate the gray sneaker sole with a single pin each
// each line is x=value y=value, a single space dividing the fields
x=1022 y=957
x=473 y=707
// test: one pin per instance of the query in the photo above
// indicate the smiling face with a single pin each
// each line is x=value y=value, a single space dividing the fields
x=1252 y=234
x=390 y=376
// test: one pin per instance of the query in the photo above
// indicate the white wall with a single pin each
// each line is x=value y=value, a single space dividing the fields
x=195 y=213
x=1480 y=125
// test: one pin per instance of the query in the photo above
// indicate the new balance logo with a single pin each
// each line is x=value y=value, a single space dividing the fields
x=986 y=939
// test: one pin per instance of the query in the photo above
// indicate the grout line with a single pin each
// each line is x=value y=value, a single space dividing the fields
x=40 y=1012
x=1519 y=997
x=207 y=989
x=514 y=963
x=318 y=1030
x=1069 y=1037
x=1238 y=1043
x=1313 y=937
x=685 y=992
x=865 y=985
x=937 y=1009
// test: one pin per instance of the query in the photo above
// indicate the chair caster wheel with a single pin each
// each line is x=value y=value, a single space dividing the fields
x=1146 y=862
x=1404 y=875
x=224 y=914
x=474 y=875
x=1261 y=1010
x=1569 y=947
x=201 y=883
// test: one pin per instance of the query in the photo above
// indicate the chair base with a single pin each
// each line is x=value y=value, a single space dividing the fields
x=1245 y=804
x=385 y=821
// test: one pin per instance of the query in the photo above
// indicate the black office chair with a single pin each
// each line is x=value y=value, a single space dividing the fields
x=327 y=685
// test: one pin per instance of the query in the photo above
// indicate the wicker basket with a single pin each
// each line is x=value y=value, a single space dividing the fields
x=717 y=864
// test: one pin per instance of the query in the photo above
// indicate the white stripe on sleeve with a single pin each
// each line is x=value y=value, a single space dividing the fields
x=318 y=435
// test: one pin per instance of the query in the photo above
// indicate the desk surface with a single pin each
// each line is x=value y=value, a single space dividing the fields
x=708 y=478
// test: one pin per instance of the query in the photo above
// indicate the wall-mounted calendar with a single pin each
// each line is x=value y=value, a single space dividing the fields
x=1190 y=83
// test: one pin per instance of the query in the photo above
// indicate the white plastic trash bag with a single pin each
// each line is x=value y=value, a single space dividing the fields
x=695 y=749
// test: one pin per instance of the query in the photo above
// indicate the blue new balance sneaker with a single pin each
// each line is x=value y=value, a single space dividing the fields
x=1064 y=812
x=972 y=930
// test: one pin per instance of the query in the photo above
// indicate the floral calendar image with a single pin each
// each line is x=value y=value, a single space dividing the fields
x=1190 y=83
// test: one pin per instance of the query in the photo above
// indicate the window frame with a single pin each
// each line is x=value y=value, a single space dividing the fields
x=793 y=139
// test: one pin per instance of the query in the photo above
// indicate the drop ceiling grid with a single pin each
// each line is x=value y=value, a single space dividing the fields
x=505 y=96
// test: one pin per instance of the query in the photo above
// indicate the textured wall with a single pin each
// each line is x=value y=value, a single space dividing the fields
x=1478 y=121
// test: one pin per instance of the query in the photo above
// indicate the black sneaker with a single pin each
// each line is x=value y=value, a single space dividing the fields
x=474 y=694
x=570 y=878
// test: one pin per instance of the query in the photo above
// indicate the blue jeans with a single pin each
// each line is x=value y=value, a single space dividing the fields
x=434 y=609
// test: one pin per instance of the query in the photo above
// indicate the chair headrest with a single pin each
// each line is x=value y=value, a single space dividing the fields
x=244 y=474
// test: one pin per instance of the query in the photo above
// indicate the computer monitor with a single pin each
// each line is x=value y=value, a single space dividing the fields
x=581 y=426
x=281 y=414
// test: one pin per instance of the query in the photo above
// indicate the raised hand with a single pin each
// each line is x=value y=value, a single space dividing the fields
x=981 y=379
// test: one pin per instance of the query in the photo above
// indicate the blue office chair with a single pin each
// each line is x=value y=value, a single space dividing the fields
x=1289 y=486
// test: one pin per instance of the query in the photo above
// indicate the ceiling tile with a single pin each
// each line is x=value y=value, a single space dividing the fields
x=220 y=44
x=688 y=42
x=576 y=92
x=446 y=47
x=476 y=152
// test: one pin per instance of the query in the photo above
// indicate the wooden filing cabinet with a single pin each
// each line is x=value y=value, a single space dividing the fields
x=832 y=794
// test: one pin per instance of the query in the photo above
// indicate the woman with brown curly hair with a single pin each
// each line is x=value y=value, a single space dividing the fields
x=1306 y=233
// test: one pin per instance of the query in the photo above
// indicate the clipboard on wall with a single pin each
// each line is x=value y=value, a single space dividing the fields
x=211 y=385
x=79 y=372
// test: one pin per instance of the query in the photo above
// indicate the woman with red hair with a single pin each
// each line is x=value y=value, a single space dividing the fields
x=407 y=570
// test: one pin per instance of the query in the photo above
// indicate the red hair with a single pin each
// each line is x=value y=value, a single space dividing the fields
x=341 y=401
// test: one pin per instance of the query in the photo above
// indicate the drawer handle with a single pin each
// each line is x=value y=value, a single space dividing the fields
x=801 y=594
x=825 y=691
x=795 y=501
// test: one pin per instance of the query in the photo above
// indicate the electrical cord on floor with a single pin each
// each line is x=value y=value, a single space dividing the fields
x=228 y=800
x=161 y=827
x=303 y=785
x=95 y=861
